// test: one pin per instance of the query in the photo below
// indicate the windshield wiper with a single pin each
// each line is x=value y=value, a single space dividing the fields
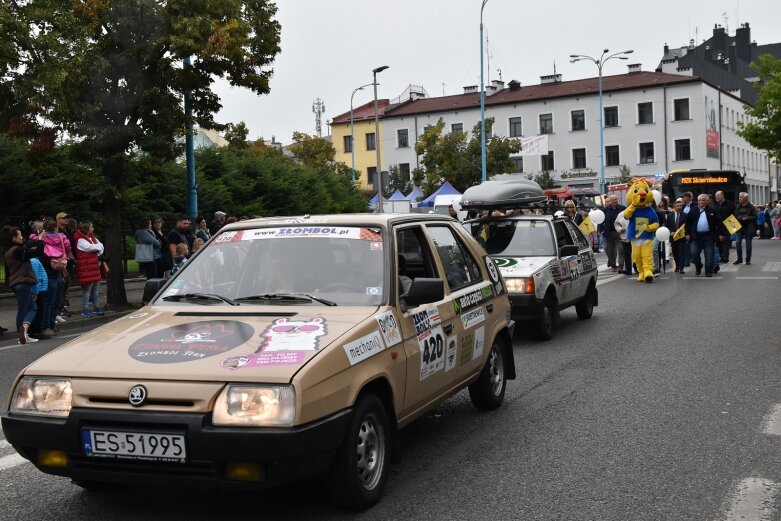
x=212 y=297
x=288 y=297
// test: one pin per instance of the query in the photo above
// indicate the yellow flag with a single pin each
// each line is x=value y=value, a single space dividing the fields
x=587 y=227
x=679 y=233
x=732 y=224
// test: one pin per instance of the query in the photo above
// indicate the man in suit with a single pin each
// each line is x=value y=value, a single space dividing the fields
x=703 y=229
x=612 y=237
x=675 y=220
x=725 y=207
x=747 y=217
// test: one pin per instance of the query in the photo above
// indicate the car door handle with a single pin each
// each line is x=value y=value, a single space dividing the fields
x=490 y=308
x=448 y=328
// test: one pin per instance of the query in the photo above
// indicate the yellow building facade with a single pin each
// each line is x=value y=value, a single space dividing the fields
x=364 y=143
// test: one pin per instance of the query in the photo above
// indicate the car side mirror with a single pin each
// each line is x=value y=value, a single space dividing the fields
x=151 y=288
x=568 y=250
x=425 y=291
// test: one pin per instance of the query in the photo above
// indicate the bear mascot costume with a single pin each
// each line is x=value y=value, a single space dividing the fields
x=643 y=222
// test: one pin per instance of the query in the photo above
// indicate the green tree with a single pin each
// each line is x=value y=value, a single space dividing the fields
x=312 y=150
x=545 y=180
x=765 y=133
x=624 y=174
x=452 y=157
x=109 y=75
x=397 y=181
x=236 y=135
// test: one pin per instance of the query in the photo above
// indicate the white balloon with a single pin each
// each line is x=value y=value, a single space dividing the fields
x=558 y=213
x=597 y=216
x=657 y=196
x=662 y=234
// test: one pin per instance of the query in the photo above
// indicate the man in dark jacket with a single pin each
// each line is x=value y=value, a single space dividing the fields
x=703 y=229
x=747 y=217
x=608 y=229
x=725 y=208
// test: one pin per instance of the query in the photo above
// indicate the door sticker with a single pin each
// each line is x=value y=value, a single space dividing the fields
x=479 y=341
x=466 y=349
x=187 y=342
x=431 y=341
x=472 y=318
x=450 y=354
x=475 y=298
x=389 y=328
x=364 y=347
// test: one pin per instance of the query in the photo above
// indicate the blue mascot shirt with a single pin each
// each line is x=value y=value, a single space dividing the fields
x=641 y=218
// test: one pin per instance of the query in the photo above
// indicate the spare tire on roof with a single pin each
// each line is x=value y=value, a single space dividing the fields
x=503 y=194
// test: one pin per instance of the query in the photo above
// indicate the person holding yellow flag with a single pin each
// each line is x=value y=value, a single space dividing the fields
x=676 y=221
x=746 y=215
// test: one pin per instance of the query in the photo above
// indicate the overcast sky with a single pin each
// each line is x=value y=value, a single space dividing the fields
x=329 y=47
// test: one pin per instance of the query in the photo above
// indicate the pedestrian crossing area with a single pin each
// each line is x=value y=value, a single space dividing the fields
x=758 y=271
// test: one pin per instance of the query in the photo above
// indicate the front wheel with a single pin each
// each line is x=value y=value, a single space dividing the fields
x=487 y=392
x=548 y=318
x=360 y=470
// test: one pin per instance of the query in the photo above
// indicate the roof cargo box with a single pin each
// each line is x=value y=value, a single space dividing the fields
x=503 y=194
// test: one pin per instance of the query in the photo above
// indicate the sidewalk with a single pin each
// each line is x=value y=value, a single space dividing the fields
x=133 y=287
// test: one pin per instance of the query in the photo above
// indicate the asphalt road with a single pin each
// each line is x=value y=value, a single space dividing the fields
x=665 y=405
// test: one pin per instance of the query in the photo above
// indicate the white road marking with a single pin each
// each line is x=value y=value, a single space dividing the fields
x=753 y=499
x=702 y=277
x=772 y=266
x=20 y=346
x=756 y=278
x=9 y=462
x=771 y=424
x=726 y=268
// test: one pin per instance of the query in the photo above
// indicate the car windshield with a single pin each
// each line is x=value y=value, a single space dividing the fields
x=513 y=238
x=285 y=265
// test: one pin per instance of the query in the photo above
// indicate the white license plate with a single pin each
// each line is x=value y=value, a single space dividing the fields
x=134 y=445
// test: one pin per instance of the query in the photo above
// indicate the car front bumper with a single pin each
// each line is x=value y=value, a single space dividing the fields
x=282 y=454
x=525 y=307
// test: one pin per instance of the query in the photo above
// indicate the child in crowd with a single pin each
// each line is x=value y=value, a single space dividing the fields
x=181 y=257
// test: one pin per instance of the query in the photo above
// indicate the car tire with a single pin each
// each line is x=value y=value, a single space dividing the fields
x=585 y=308
x=548 y=318
x=360 y=470
x=487 y=393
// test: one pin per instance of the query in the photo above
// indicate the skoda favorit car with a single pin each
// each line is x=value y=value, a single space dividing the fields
x=545 y=260
x=284 y=348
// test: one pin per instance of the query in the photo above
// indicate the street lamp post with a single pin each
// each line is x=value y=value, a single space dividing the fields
x=599 y=63
x=377 y=139
x=352 y=128
x=483 y=166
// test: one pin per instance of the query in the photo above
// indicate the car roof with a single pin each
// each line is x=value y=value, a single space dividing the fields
x=343 y=219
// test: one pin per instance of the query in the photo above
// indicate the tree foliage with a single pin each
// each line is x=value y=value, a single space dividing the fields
x=544 y=179
x=456 y=158
x=397 y=181
x=236 y=135
x=624 y=174
x=109 y=74
x=765 y=134
x=312 y=150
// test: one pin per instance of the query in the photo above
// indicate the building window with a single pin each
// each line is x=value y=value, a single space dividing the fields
x=348 y=144
x=456 y=127
x=578 y=120
x=404 y=171
x=516 y=128
x=370 y=144
x=371 y=173
x=683 y=149
x=402 y=135
x=612 y=157
x=646 y=152
x=546 y=123
x=645 y=113
x=578 y=158
x=611 y=117
x=518 y=164
x=681 y=109
x=546 y=162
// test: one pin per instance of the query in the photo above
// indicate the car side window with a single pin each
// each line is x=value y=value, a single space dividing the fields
x=460 y=268
x=563 y=236
x=577 y=236
x=413 y=257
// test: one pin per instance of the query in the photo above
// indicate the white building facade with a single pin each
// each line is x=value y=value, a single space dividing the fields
x=654 y=123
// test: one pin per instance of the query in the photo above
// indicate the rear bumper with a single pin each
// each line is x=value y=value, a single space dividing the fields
x=283 y=454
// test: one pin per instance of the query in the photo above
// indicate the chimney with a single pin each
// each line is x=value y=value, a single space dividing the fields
x=634 y=68
x=490 y=89
x=499 y=84
x=514 y=85
x=743 y=42
x=666 y=49
x=469 y=89
x=550 y=78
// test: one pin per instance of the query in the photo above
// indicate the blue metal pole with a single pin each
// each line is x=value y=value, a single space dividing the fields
x=192 y=187
x=601 y=136
x=352 y=138
x=483 y=166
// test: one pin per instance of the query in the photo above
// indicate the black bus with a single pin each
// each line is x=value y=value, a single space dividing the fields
x=731 y=182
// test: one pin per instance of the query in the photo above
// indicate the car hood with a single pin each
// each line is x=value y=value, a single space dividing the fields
x=269 y=343
x=521 y=266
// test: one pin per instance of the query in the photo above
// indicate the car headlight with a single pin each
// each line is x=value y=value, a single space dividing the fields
x=43 y=396
x=255 y=405
x=520 y=285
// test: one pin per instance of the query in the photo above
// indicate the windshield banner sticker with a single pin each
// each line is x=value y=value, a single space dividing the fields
x=431 y=341
x=188 y=342
x=364 y=347
x=473 y=299
x=293 y=335
x=297 y=232
x=389 y=328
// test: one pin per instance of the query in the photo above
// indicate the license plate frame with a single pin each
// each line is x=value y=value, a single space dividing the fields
x=134 y=445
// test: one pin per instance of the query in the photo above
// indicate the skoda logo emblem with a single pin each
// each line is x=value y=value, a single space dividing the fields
x=137 y=396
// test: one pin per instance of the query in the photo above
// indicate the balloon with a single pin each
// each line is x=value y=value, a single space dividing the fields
x=597 y=216
x=558 y=213
x=662 y=234
x=657 y=196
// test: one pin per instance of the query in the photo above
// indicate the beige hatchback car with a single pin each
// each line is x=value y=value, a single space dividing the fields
x=284 y=348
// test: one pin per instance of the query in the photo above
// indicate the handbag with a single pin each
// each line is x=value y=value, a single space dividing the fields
x=144 y=253
x=59 y=263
